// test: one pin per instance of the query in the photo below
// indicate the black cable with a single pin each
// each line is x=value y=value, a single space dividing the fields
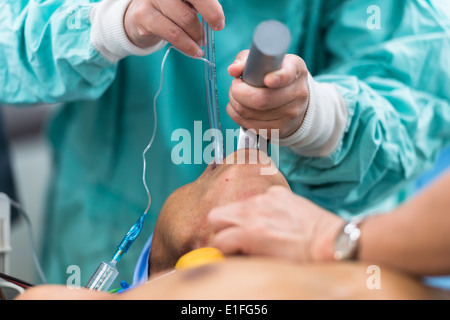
x=16 y=281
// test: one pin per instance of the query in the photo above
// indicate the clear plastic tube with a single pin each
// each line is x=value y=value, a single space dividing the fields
x=103 y=277
x=106 y=273
x=211 y=100
x=211 y=93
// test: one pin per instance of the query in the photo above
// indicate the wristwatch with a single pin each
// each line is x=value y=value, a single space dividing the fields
x=346 y=244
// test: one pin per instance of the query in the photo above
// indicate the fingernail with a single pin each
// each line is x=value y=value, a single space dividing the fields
x=220 y=26
x=199 y=53
x=275 y=80
x=236 y=62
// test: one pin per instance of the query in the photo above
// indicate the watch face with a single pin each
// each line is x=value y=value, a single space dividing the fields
x=342 y=247
x=345 y=245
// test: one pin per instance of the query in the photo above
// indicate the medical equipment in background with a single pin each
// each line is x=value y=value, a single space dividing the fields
x=7 y=281
x=5 y=248
x=271 y=41
x=106 y=272
x=5 y=233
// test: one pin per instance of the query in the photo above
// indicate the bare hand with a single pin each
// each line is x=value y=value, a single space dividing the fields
x=176 y=21
x=281 y=105
x=277 y=223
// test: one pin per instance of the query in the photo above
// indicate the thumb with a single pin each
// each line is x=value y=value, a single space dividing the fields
x=237 y=67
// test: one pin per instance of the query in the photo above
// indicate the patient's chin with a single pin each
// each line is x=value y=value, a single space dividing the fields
x=249 y=157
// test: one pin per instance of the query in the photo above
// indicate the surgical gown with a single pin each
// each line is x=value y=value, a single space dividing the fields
x=394 y=75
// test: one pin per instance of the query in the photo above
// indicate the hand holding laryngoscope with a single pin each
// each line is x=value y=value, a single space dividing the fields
x=272 y=93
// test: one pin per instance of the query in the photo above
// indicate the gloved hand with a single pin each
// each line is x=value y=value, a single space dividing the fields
x=281 y=105
x=147 y=22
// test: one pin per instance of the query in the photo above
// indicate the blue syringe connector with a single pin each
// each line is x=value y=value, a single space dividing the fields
x=106 y=273
x=129 y=239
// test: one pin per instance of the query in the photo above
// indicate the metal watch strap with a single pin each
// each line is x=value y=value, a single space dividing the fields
x=352 y=231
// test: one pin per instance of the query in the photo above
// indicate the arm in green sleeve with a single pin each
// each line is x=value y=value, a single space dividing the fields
x=60 y=51
x=395 y=82
x=46 y=54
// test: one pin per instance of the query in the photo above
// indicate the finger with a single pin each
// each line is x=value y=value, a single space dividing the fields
x=185 y=16
x=278 y=191
x=283 y=127
x=171 y=32
x=262 y=99
x=224 y=217
x=237 y=67
x=211 y=11
x=249 y=113
x=292 y=69
x=256 y=125
x=244 y=240
x=230 y=241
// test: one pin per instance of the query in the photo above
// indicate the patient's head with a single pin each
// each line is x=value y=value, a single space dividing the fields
x=182 y=226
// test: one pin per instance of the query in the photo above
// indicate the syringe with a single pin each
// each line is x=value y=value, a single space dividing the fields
x=103 y=277
x=106 y=273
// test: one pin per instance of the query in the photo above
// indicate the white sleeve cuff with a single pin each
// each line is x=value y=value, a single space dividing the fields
x=324 y=123
x=108 y=34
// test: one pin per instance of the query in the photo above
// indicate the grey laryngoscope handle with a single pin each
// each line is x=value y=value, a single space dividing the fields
x=271 y=41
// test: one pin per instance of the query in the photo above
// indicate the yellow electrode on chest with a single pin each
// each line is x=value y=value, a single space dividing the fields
x=199 y=257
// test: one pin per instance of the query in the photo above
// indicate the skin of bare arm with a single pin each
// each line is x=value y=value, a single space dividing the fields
x=414 y=238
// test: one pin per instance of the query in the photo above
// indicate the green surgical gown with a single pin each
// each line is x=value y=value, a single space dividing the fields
x=391 y=65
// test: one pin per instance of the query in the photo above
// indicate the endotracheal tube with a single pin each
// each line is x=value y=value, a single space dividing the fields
x=212 y=100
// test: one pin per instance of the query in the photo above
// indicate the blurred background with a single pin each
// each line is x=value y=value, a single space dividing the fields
x=30 y=164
